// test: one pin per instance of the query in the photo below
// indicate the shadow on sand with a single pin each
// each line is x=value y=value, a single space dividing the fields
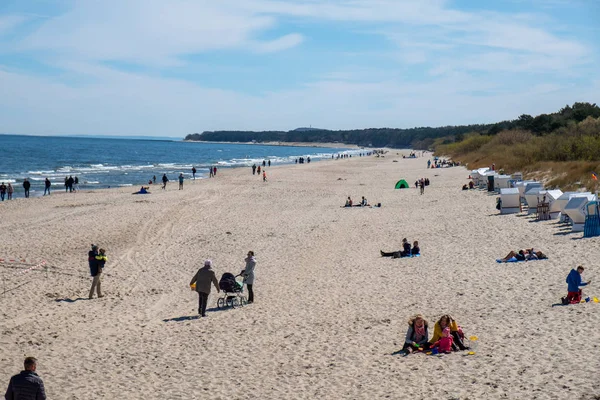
x=67 y=300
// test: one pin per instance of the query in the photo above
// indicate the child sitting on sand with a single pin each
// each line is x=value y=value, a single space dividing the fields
x=444 y=344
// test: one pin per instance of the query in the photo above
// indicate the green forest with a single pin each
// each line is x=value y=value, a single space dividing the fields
x=421 y=138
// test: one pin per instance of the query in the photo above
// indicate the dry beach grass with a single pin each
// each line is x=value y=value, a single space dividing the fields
x=329 y=310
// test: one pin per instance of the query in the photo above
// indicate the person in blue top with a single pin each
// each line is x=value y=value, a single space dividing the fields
x=574 y=281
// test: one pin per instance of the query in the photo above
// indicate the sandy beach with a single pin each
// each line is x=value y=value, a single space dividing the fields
x=329 y=310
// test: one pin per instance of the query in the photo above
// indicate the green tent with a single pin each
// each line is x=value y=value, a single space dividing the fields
x=401 y=184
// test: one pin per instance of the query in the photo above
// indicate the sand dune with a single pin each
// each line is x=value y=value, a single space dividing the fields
x=329 y=310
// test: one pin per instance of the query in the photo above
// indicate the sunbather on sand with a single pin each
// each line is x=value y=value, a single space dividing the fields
x=525 y=255
x=405 y=252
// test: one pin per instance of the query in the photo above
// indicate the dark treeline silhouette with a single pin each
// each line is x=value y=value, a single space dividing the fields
x=416 y=138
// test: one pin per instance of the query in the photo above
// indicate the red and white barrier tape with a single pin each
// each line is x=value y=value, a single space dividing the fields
x=31 y=268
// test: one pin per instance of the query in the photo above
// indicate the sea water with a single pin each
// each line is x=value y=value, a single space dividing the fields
x=109 y=162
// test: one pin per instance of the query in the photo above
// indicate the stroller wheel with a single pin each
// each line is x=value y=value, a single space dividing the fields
x=229 y=302
x=221 y=303
x=243 y=301
x=235 y=302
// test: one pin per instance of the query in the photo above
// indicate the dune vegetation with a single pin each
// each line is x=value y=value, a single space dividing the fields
x=562 y=149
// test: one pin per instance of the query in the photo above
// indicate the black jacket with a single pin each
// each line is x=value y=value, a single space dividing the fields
x=26 y=386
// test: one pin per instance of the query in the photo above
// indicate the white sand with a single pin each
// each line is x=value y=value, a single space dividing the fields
x=329 y=310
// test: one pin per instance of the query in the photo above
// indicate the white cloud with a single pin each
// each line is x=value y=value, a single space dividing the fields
x=282 y=43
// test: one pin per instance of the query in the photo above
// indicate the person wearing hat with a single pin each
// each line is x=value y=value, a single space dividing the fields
x=94 y=271
x=203 y=278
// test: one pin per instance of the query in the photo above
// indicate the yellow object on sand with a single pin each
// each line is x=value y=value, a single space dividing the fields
x=193 y=286
x=471 y=353
x=473 y=338
x=595 y=300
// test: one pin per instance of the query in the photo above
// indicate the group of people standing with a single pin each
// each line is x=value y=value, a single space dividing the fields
x=205 y=277
x=71 y=184
x=421 y=183
x=4 y=190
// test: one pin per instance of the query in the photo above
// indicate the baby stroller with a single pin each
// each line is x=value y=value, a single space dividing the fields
x=232 y=290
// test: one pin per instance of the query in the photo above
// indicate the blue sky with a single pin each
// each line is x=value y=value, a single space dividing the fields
x=169 y=68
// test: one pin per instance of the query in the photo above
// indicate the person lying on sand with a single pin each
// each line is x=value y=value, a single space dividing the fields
x=525 y=255
x=405 y=252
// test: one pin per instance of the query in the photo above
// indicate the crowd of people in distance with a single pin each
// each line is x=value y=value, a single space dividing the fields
x=524 y=255
x=447 y=336
x=439 y=163
x=407 y=250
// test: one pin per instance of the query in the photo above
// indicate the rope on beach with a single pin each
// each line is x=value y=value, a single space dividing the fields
x=39 y=265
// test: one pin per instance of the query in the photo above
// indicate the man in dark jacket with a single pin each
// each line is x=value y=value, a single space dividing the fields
x=27 y=385
x=26 y=186
x=95 y=271
x=203 y=278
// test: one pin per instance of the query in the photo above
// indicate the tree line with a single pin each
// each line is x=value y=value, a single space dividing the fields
x=421 y=138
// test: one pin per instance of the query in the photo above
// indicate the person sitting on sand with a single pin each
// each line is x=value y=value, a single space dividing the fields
x=364 y=202
x=444 y=344
x=574 y=281
x=446 y=321
x=348 y=202
x=415 y=249
x=465 y=187
x=143 y=190
x=416 y=335
x=397 y=254
x=471 y=185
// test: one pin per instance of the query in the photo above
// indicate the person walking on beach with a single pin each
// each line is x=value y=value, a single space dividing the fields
x=95 y=271
x=214 y=171
x=27 y=385
x=253 y=169
x=2 y=191
x=248 y=274
x=210 y=172
x=165 y=180
x=264 y=176
x=422 y=185
x=203 y=278
x=75 y=184
x=47 y=185
x=269 y=163
x=181 y=181
x=154 y=179
x=264 y=163
x=10 y=190
x=26 y=186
